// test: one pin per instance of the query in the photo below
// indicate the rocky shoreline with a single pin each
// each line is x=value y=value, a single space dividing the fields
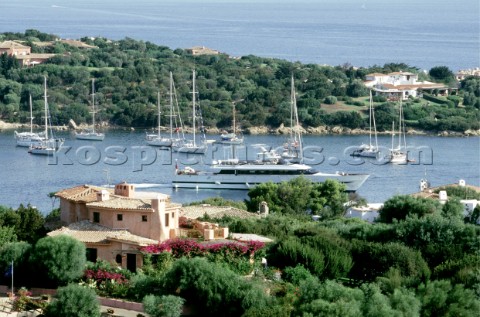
x=262 y=130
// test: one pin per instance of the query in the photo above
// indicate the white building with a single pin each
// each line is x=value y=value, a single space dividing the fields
x=401 y=85
x=369 y=213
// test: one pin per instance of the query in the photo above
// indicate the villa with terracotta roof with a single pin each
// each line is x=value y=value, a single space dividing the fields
x=402 y=85
x=114 y=224
x=201 y=50
x=23 y=53
x=13 y=48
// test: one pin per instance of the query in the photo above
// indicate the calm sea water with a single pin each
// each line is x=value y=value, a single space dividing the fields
x=28 y=178
x=361 y=32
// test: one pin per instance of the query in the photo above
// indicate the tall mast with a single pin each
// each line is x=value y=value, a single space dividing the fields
x=370 y=119
x=296 y=133
x=159 y=112
x=400 y=125
x=46 y=106
x=171 y=106
x=292 y=105
x=374 y=125
x=234 y=128
x=93 y=105
x=193 y=105
x=31 y=113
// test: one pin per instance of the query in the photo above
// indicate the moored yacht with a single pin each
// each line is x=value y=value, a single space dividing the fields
x=236 y=174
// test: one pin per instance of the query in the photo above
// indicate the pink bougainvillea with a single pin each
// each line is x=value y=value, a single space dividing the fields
x=189 y=247
x=102 y=275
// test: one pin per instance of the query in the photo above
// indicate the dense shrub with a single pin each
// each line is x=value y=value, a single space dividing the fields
x=61 y=258
x=163 y=306
x=74 y=301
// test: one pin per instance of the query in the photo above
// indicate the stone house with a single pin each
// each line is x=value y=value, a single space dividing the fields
x=115 y=224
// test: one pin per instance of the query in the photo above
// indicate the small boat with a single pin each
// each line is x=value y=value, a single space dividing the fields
x=50 y=145
x=191 y=146
x=90 y=134
x=369 y=150
x=27 y=139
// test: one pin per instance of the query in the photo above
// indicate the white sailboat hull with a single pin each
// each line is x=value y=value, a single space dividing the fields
x=365 y=150
x=91 y=136
x=47 y=147
x=191 y=149
x=27 y=139
x=155 y=140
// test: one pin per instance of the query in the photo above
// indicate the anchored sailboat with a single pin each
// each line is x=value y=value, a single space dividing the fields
x=231 y=138
x=90 y=134
x=191 y=146
x=398 y=155
x=49 y=145
x=370 y=149
x=157 y=139
x=293 y=147
x=27 y=139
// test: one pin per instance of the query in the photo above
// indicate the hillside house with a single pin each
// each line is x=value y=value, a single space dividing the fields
x=402 y=85
x=23 y=53
x=440 y=194
x=201 y=50
x=115 y=224
x=13 y=48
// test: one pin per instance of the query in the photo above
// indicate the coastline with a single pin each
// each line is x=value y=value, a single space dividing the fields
x=262 y=130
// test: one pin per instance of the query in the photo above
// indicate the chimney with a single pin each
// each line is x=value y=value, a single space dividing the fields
x=103 y=195
x=156 y=202
x=125 y=190
x=442 y=196
x=461 y=183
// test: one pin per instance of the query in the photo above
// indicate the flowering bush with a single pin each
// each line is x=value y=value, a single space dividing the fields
x=190 y=248
x=107 y=279
x=24 y=302
x=237 y=255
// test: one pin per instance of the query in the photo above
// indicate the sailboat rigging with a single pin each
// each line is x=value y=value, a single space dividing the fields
x=49 y=145
x=191 y=146
x=90 y=134
x=370 y=149
x=27 y=139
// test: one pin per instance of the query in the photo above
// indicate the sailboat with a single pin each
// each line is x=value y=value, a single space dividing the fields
x=176 y=125
x=191 y=146
x=293 y=148
x=156 y=139
x=49 y=145
x=90 y=134
x=231 y=138
x=27 y=139
x=369 y=150
x=398 y=155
